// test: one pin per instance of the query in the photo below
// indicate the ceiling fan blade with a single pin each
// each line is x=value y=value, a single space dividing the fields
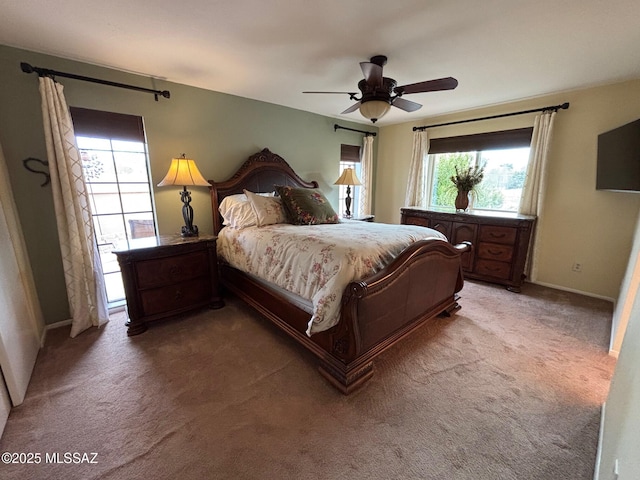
x=344 y=93
x=447 y=83
x=352 y=108
x=372 y=73
x=406 y=105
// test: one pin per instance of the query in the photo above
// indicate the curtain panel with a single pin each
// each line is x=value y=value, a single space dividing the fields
x=366 y=175
x=532 y=200
x=417 y=185
x=80 y=257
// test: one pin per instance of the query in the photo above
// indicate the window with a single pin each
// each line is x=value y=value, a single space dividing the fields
x=349 y=158
x=504 y=156
x=116 y=169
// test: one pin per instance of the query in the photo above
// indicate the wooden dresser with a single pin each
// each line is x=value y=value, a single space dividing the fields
x=500 y=241
x=168 y=275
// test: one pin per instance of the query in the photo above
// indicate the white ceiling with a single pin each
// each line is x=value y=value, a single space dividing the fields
x=272 y=50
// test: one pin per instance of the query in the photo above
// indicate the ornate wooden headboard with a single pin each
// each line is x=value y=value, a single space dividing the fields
x=260 y=173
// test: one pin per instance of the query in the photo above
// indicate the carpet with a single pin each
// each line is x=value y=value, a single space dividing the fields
x=509 y=388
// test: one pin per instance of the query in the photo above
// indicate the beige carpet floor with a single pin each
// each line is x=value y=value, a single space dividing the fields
x=509 y=388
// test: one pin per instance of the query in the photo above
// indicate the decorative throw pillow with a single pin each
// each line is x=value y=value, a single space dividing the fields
x=306 y=206
x=268 y=209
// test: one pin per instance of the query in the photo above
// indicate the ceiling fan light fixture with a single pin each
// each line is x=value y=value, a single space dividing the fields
x=374 y=109
x=380 y=93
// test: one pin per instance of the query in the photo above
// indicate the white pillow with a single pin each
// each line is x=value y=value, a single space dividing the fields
x=230 y=201
x=268 y=209
x=237 y=211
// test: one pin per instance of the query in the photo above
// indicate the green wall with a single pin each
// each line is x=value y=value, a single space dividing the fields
x=218 y=130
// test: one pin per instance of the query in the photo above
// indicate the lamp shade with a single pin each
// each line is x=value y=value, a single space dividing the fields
x=374 y=109
x=183 y=171
x=348 y=177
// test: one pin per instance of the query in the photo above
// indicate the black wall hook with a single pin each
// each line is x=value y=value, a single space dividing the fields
x=26 y=161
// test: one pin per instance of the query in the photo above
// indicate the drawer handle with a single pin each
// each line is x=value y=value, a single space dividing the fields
x=494 y=269
x=178 y=295
x=494 y=252
x=497 y=235
x=174 y=270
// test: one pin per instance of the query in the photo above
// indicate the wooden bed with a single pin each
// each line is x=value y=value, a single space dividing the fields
x=426 y=275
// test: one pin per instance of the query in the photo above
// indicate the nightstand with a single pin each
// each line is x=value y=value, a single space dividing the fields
x=168 y=275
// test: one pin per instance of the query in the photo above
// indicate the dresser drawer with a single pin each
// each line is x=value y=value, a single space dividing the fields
x=495 y=251
x=442 y=227
x=175 y=297
x=493 y=234
x=423 y=222
x=165 y=271
x=492 y=268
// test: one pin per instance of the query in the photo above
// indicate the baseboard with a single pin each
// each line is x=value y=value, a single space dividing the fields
x=596 y=471
x=612 y=353
x=117 y=308
x=573 y=290
x=64 y=323
x=51 y=326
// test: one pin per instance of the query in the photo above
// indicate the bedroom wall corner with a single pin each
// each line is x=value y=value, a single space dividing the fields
x=394 y=160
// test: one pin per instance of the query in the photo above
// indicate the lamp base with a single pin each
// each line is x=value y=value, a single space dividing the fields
x=347 y=203
x=190 y=231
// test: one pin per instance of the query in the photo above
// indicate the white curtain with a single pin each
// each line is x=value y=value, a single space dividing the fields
x=366 y=175
x=80 y=258
x=417 y=184
x=532 y=200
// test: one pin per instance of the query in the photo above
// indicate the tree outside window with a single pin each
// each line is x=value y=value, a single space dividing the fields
x=503 y=155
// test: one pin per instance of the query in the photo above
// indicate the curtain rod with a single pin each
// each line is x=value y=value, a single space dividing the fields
x=336 y=127
x=45 y=72
x=555 y=108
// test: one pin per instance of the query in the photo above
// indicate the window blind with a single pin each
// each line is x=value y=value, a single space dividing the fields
x=100 y=124
x=520 y=137
x=349 y=153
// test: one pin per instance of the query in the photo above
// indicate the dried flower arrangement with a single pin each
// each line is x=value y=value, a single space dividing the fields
x=466 y=179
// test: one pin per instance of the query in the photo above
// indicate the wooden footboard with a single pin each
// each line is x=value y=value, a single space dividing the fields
x=377 y=312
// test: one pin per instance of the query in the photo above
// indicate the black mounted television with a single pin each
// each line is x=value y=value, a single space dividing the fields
x=619 y=159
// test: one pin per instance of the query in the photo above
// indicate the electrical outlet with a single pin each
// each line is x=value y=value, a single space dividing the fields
x=577 y=267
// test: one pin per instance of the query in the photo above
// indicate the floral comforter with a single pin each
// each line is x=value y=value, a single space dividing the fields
x=317 y=262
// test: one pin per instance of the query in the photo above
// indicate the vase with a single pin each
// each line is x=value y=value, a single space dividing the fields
x=462 y=200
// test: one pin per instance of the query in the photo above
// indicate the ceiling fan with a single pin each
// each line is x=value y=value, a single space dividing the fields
x=380 y=93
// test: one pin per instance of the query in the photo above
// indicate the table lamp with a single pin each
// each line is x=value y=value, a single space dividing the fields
x=348 y=178
x=183 y=171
